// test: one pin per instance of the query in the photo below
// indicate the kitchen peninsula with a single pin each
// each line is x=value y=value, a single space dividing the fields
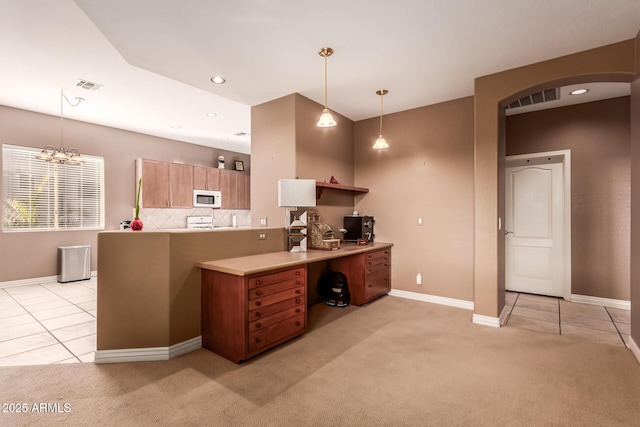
x=149 y=287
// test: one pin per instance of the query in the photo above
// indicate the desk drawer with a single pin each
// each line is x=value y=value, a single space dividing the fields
x=269 y=279
x=274 y=298
x=262 y=312
x=377 y=258
x=264 y=291
x=276 y=332
x=260 y=324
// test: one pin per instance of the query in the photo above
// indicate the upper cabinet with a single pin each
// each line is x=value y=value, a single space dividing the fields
x=165 y=185
x=206 y=178
x=171 y=185
x=235 y=188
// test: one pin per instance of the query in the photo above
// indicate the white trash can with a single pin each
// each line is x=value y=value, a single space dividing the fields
x=74 y=263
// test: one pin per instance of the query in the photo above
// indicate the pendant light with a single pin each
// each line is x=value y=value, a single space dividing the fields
x=326 y=119
x=62 y=155
x=381 y=143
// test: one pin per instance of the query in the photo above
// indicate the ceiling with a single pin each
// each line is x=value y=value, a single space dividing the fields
x=155 y=58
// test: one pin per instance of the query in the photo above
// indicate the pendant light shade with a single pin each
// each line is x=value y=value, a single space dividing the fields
x=381 y=143
x=326 y=119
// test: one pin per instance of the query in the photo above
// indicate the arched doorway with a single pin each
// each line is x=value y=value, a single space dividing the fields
x=609 y=63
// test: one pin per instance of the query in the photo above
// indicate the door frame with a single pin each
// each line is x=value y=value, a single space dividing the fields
x=564 y=157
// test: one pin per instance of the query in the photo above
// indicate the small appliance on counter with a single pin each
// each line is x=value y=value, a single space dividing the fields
x=200 y=222
x=358 y=227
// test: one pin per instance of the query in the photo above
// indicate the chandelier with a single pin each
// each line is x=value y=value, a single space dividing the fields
x=62 y=155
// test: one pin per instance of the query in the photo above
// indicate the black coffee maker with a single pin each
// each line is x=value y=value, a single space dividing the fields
x=358 y=227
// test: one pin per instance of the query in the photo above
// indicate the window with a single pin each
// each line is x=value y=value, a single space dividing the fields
x=41 y=196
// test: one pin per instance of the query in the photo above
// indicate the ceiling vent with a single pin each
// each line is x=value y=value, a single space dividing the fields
x=537 y=98
x=84 y=84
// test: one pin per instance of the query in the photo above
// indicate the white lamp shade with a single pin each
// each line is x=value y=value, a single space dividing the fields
x=326 y=119
x=296 y=193
x=380 y=143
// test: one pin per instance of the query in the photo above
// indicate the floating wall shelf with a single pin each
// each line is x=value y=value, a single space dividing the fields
x=320 y=186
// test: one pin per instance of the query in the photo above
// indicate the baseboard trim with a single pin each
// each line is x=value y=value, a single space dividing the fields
x=483 y=320
x=467 y=305
x=34 y=281
x=615 y=303
x=504 y=315
x=634 y=349
x=147 y=354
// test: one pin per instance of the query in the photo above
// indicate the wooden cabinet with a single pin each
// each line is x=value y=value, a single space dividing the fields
x=368 y=274
x=206 y=178
x=235 y=188
x=165 y=185
x=243 y=316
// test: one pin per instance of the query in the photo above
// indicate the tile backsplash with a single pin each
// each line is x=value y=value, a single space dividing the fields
x=177 y=218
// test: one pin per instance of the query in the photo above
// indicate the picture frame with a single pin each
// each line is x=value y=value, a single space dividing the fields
x=239 y=165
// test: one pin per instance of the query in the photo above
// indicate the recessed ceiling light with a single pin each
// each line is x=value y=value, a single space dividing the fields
x=218 y=80
x=176 y=127
x=241 y=134
x=225 y=139
x=578 y=91
x=211 y=114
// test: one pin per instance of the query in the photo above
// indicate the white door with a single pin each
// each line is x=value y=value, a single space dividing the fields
x=534 y=229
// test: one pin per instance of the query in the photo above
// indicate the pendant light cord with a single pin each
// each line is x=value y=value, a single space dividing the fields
x=380 y=114
x=326 y=102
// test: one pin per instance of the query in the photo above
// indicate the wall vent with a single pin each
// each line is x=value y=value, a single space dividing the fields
x=85 y=84
x=536 y=98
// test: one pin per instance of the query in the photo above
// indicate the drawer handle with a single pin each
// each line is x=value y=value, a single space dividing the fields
x=370 y=286
x=258 y=303
x=258 y=340
x=258 y=325
x=258 y=314
x=258 y=282
x=297 y=273
x=298 y=282
x=298 y=291
x=297 y=310
x=297 y=301
x=297 y=323
x=258 y=293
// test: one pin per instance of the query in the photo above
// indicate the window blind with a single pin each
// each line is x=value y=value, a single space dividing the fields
x=41 y=196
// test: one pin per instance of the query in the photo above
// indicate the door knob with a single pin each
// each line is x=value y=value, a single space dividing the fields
x=508 y=232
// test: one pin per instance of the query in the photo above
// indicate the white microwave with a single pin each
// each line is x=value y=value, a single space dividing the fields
x=207 y=199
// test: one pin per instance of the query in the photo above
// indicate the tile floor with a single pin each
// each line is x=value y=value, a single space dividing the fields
x=607 y=325
x=48 y=323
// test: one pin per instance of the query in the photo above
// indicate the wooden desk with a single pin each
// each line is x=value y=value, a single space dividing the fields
x=253 y=303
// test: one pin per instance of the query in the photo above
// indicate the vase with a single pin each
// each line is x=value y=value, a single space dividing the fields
x=136 y=225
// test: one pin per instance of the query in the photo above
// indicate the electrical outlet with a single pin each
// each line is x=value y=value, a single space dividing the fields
x=419 y=279
x=263 y=222
x=262 y=236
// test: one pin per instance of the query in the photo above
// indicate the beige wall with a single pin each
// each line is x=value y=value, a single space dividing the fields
x=322 y=153
x=597 y=134
x=608 y=63
x=273 y=151
x=33 y=254
x=427 y=172
x=635 y=199
x=286 y=143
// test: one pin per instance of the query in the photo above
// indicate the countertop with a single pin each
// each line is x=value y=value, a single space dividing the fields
x=246 y=265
